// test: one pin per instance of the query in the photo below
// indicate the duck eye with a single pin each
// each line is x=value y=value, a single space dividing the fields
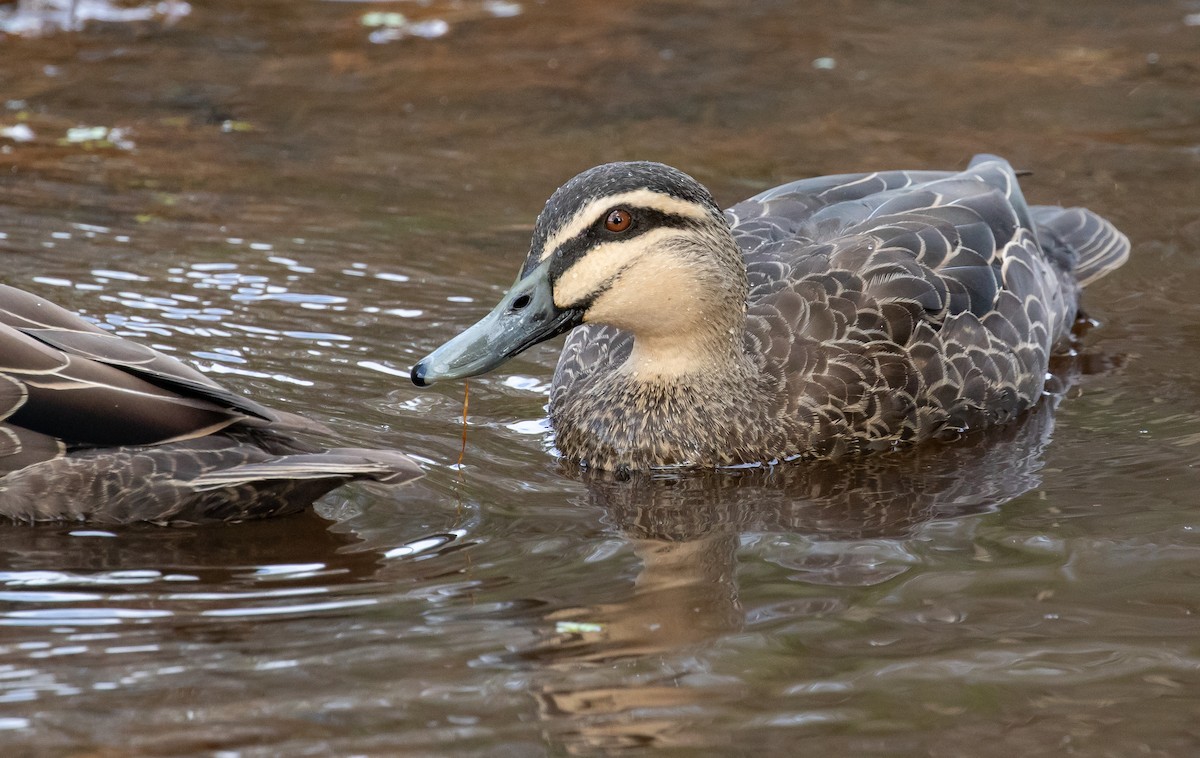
x=618 y=220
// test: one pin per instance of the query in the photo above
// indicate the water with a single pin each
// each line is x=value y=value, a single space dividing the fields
x=296 y=202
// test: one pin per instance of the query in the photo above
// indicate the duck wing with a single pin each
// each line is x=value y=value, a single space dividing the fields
x=63 y=378
x=66 y=383
x=900 y=303
x=62 y=329
x=220 y=478
x=97 y=428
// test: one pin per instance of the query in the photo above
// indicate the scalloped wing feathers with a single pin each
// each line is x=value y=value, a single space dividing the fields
x=95 y=427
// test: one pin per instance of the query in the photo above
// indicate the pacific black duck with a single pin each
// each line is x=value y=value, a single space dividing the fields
x=97 y=428
x=826 y=316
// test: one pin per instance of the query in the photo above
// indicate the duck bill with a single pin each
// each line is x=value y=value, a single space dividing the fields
x=526 y=316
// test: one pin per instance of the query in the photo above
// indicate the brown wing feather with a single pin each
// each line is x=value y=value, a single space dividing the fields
x=86 y=402
x=59 y=328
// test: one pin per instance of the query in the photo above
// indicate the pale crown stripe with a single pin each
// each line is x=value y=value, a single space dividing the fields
x=639 y=198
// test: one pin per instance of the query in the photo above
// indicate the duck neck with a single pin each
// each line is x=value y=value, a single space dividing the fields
x=691 y=357
x=697 y=334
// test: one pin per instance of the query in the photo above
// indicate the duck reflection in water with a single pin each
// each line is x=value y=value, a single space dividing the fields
x=600 y=685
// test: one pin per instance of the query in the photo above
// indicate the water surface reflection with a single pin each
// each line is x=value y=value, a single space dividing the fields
x=845 y=524
x=269 y=194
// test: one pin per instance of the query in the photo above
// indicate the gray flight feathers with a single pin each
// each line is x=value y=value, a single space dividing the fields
x=98 y=428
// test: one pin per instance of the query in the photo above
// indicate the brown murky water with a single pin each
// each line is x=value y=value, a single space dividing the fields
x=302 y=206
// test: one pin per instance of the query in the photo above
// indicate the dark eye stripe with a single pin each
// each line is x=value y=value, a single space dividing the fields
x=644 y=220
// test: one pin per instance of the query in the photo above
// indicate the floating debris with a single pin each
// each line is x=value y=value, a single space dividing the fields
x=502 y=9
x=86 y=134
x=824 y=64
x=431 y=29
x=577 y=627
x=91 y=137
x=17 y=133
x=50 y=16
x=389 y=20
x=231 y=125
x=389 y=26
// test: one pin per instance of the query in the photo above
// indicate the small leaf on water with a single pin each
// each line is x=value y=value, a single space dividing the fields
x=388 y=20
x=577 y=627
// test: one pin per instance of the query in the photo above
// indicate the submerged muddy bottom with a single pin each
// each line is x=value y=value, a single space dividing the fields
x=303 y=198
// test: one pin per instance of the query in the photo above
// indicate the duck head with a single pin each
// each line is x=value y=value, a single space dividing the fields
x=624 y=244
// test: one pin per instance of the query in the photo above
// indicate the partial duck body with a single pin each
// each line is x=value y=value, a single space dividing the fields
x=96 y=428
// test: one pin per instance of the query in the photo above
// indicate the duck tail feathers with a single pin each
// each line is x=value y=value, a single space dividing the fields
x=1081 y=241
